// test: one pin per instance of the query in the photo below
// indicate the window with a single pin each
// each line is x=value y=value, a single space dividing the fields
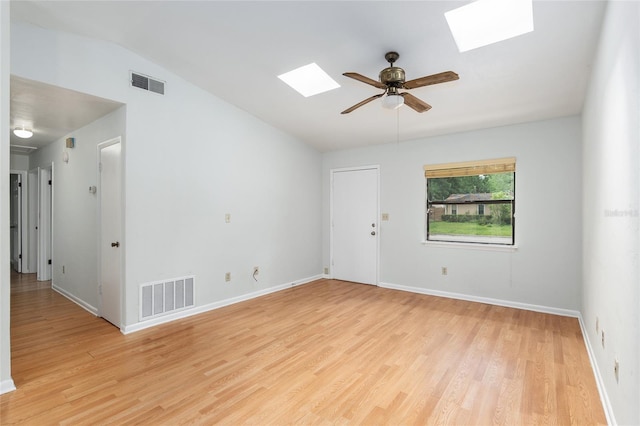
x=471 y=202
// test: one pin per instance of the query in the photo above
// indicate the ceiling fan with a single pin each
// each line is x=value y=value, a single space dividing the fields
x=392 y=79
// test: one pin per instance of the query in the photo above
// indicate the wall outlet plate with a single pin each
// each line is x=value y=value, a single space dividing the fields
x=227 y=276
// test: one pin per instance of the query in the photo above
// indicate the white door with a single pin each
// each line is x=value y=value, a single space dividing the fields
x=110 y=199
x=16 y=222
x=354 y=213
x=45 y=189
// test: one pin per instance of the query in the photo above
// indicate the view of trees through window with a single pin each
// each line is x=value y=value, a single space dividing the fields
x=476 y=208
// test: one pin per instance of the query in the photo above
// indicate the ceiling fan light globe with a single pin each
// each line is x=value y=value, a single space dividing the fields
x=392 y=102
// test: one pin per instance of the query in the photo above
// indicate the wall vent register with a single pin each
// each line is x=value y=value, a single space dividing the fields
x=147 y=83
x=167 y=296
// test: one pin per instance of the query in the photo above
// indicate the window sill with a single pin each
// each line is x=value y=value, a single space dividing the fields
x=471 y=246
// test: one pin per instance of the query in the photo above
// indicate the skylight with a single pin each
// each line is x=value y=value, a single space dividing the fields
x=485 y=22
x=309 y=80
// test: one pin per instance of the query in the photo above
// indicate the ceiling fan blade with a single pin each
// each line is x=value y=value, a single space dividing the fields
x=359 y=104
x=415 y=103
x=442 y=77
x=364 y=79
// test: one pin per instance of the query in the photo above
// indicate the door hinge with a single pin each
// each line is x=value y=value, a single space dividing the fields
x=20 y=256
x=19 y=184
x=49 y=262
x=49 y=181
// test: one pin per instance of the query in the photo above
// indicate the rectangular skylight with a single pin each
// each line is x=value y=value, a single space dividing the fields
x=485 y=22
x=309 y=80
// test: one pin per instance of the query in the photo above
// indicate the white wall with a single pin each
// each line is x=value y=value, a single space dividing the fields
x=190 y=158
x=75 y=232
x=611 y=193
x=19 y=162
x=6 y=384
x=545 y=269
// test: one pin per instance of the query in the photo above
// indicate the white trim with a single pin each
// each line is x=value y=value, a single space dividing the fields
x=215 y=305
x=604 y=397
x=24 y=219
x=487 y=300
x=84 y=305
x=7 y=386
x=471 y=246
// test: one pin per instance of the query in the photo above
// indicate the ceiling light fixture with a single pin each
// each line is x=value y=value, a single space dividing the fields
x=485 y=22
x=392 y=101
x=309 y=80
x=22 y=132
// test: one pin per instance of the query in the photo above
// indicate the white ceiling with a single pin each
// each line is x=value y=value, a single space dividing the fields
x=52 y=112
x=236 y=50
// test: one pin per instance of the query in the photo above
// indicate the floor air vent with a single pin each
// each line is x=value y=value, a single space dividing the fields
x=165 y=297
x=147 y=83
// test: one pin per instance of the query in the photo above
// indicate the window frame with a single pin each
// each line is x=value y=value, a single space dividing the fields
x=469 y=166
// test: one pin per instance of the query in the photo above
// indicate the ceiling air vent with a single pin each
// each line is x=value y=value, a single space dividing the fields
x=147 y=83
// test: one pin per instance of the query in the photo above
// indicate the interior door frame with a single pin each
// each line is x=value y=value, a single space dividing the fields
x=331 y=237
x=45 y=223
x=24 y=243
x=32 y=219
x=99 y=147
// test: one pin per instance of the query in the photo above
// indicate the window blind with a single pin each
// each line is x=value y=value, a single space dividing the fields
x=470 y=168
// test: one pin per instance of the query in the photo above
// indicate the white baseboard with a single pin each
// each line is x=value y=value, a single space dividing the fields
x=215 y=305
x=487 y=300
x=7 y=386
x=84 y=305
x=604 y=397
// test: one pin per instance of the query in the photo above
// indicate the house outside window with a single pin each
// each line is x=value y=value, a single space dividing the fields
x=471 y=202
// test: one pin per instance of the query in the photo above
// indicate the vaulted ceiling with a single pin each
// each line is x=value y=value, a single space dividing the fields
x=236 y=50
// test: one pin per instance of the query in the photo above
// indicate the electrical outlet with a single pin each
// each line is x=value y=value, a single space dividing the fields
x=326 y=271
x=385 y=217
x=616 y=369
x=445 y=271
x=227 y=218
x=602 y=339
x=227 y=276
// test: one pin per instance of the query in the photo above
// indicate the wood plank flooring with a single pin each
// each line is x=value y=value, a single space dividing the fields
x=328 y=352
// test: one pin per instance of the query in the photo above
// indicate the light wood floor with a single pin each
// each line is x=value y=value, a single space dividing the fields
x=328 y=352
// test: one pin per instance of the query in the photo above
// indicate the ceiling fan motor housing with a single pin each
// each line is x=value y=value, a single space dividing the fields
x=392 y=76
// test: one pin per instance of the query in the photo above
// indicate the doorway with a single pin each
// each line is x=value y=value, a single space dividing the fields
x=17 y=221
x=45 y=220
x=354 y=224
x=110 y=225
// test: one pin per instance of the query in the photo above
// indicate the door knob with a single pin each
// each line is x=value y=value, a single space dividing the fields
x=116 y=244
x=373 y=232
